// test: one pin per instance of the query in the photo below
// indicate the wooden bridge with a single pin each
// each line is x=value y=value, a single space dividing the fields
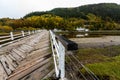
x=27 y=58
x=36 y=55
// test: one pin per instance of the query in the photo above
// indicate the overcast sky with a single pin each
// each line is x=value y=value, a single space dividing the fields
x=19 y=8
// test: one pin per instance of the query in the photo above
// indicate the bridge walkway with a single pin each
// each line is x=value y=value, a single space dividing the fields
x=27 y=59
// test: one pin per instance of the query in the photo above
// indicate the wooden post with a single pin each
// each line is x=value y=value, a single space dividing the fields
x=60 y=50
x=54 y=55
x=61 y=60
x=23 y=33
x=33 y=31
x=28 y=32
x=11 y=35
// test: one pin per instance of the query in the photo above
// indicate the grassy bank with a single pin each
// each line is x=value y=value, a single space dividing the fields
x=104 y=62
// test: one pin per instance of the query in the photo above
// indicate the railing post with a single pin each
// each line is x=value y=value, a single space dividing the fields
x=28 y=32
x=61 y=60
x=33 y=31
x=59 y=57
x=23 y=33
x=54 y=55
x=11 y=35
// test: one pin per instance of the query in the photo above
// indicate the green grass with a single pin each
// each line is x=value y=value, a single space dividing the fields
x=111 y=69
x=104 y=62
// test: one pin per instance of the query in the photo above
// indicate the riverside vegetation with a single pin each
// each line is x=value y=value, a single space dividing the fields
x=104 y=62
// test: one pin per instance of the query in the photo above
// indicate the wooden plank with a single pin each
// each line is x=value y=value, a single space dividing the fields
x=7 y=66
x=31 y=60
x=11 y=57
x=19 y=53
x=38 y=73
x=4 y=37
x=28 y=69
x=14 y=60
x=16 y=56
x=24 y=52
x=29 y=47
x=11 y=61
x=5 y=40
x=40 y=52
x=23 y=49
x=49 y=74
x=3 y=74
x=26 y=49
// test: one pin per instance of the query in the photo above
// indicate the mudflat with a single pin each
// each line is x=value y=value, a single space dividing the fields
x=97 y=41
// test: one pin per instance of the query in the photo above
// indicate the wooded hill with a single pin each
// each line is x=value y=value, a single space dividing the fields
x=104 y=16
x=107 y=11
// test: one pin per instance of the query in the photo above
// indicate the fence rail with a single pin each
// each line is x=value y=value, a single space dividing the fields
x=58 y=56
x=13 y=36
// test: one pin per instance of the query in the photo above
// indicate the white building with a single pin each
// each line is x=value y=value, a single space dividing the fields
x=82 y=29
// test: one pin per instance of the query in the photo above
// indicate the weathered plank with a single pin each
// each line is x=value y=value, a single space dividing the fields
x=3 y=74
x=16 y=56
x=7 y=66
x=27 y=69
x=27 y=58
x=11 y=61
x=39 y=73
x=26 y=49
x=49 y=74
x=19 y=53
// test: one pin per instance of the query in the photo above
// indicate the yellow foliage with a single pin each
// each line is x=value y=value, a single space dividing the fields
x=5 y=29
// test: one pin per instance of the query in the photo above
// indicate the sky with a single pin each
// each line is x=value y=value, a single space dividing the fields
x=19 y=8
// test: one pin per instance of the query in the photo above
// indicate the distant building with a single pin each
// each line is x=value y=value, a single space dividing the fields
x=56 y=30
x=82 y=29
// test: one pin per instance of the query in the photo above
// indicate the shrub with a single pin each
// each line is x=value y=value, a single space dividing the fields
x=5 y=29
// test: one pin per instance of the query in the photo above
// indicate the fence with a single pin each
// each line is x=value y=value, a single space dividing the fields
x=58 y=55
x=13 y=36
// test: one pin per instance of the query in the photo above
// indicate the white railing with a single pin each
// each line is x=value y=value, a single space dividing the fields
x=13 y=36
x=58 y=56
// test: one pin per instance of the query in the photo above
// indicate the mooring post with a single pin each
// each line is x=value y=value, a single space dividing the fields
x=11 y=35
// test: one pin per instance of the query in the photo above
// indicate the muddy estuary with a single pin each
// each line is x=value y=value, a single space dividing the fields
x=95 y=42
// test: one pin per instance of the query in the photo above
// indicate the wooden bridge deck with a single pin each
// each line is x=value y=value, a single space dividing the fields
x=27 y=59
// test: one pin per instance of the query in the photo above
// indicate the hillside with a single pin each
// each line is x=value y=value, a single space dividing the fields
x=104 y=10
